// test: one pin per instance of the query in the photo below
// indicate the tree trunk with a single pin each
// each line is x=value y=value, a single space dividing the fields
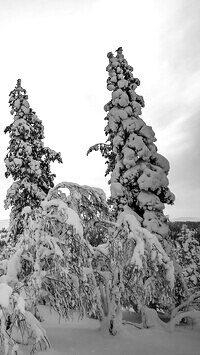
x=112 y=323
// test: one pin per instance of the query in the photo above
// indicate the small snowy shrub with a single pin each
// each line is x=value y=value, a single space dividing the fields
x=130 y=266
x=51 y=263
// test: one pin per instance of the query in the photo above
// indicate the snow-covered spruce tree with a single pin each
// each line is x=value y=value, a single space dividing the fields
x=28 y=160
x=138 y=171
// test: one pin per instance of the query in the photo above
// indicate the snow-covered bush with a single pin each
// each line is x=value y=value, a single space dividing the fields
x=130 y=267
x=51 y=257
x=18 y=325
x=55 y=262
x=28 y=160
x=51 y=263
x=138 y=172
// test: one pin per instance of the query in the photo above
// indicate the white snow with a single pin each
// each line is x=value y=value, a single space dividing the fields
x=20 y=304
x=102 y=248
x=13 y=266
x=153 y=179
x=17 y=161
x=5 y=293
x=150 y=201
x=116 y=189
x=74 y=220
x=84 y=338
x=26 y=210
x=162 y=162
x=4 y=223
x=130 y=157
x=153 y=222
x=148 y=133
x=71 y=216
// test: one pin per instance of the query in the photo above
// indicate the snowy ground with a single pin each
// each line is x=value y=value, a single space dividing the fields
x=84 y=338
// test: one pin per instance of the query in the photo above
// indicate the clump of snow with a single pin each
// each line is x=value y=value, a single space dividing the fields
x=74 y=220
x=20 y=303
x=116 y=189
x=14 y=266
x=102 y=248
x=5 y=293
x=148 y=133
x=21 y=126
x=149 y=201
x=170 y=273
x=162 y=162
x=17 y=161
x=71 y=216
x=152 y=179
x=26 y=210
x=155 y=222
x=130 y=157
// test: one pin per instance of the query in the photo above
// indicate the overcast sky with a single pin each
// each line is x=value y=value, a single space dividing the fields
x=59 y=50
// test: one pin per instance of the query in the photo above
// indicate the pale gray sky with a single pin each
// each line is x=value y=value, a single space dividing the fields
x=58 y=48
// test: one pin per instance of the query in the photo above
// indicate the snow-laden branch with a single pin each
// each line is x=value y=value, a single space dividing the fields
x=13 y=305
x=185 y=304
x=142 y=236
x=97 y=193
x=71 y=216
x=195 y=315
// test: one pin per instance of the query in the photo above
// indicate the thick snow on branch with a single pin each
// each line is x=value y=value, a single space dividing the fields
x=195 y=315
x=102 y=249
x=5 y=293
x=185 y=304
x=13 y=266
x=98 y=193
x=72 y=217
x=152 y=179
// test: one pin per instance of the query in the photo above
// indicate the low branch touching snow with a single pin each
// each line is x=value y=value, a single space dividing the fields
x=195 y=315
x=185 y=304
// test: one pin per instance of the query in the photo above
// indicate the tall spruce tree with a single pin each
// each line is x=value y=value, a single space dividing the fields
x=28 y=160
x=138 y=172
